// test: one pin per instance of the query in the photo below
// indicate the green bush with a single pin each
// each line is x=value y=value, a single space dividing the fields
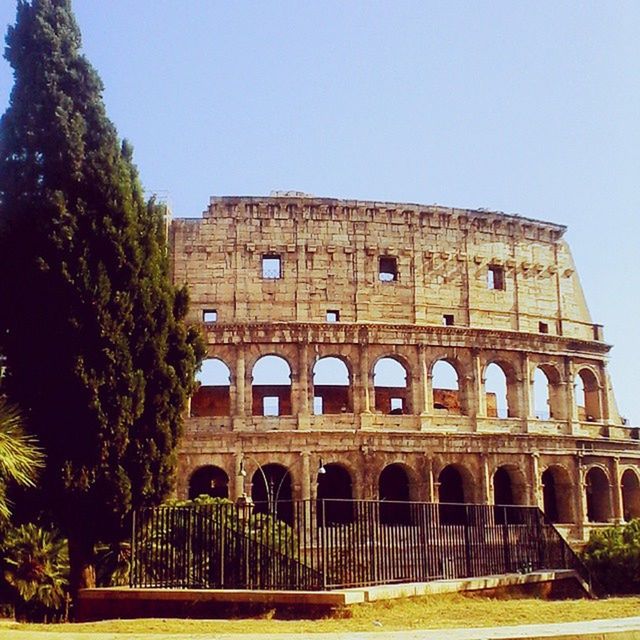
x=613 y=557
x=36 y=572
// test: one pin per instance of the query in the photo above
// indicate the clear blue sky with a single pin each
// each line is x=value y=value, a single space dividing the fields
x=523 y=107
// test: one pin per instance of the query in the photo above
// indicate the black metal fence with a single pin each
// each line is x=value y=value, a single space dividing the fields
x=325 y=544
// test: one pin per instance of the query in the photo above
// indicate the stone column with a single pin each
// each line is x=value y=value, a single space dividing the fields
x=486 y=490
x=423 y=395
x=240 y=482
x=366 y=378
x=616 y=491
x=306 y=476
x=430 y=481
x=535 y=482
x=572 y=409
x=526 y=411
x=240 y=379
x=580 y=497
x=479 y=397
x=605 y=397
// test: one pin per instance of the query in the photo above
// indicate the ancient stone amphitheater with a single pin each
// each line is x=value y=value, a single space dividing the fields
x=406 y=352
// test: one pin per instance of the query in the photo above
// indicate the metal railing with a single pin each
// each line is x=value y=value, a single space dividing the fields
x=326 y=544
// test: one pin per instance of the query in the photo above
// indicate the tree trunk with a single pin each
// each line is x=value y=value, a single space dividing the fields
x=82 y=571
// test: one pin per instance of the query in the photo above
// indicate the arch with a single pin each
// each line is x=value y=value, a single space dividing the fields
x=271 y=491
x=212 y=397
x=499 y=402
x=331 y=386
x=598 y=495
x=587 y=395
x=557 y=495
x=393 y=490
x=541 y=395
x=271 y=386
x=335 y=495
x=630 y=495
x=391 y=386
x=454 y=490
x=445 y=383
x=209 y=480
x=509 y=490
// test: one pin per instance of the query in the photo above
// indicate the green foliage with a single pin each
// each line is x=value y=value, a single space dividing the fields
x=98 y=356
x=184 y=543
x=113 y=564
x=613 y=556
x=20 y=457
x=36 y=568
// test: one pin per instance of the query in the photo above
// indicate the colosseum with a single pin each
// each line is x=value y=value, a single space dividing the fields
x=374 y=350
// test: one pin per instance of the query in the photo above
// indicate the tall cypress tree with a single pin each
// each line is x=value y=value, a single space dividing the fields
x=98 y=356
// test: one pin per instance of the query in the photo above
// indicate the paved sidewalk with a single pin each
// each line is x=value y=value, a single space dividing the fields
x=613 y=629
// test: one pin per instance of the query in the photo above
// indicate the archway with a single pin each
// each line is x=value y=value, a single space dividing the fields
x=209 y=481
x=587 y=396
x=496 y=391
x=541 y=395
x=212 y=397
x=391 y=389
x=557 y=495
x=334 y=495
x=446 y=388
x=271 y=387
x=393 y=490
x=630 y=495
x=508 y=492
x=331 y=387
x=452 y=494
x=271 y=491
x=598 y=496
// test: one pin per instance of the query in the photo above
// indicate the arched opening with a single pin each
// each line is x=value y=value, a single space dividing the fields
x=557 y=495
x=452 y=494
x=271 y=387
x=630 y=495
x=496 y=392
x=509 y=491
x=587 y=396
x=446 y=388
x=334 y=496
x=209 y=481
x=390 y=384
x=271 y=491
x=598 y=496
x=541 y=395
x=212 y=397
x=393 y=491
x=331 y=387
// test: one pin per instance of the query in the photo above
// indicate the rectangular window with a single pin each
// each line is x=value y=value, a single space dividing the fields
x=209 y=315
x=543 y=327
x=317 y=406
x=447 y=320
x=396 y=405
x=271 y=406
x=333 y=315
x=495 y=278
x=271 y=267
x=388 y=269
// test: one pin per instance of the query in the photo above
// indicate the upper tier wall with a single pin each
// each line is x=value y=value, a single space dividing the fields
x=330 y=254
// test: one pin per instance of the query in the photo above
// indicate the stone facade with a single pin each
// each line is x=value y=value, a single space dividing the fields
x=381 y=288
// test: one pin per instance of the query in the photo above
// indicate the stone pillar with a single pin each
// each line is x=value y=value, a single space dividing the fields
x=526 y=411
x=430 y=481
x=306 y=476
x=572 y=409
x=304 y=385
x=535 y=482
x=486 y=490
x=240 y=380
x=616 y=490
x=580 y=497
x=423 y=395
x=605 y=399
x=366 y=378
x=240 y=482
x=479 y=397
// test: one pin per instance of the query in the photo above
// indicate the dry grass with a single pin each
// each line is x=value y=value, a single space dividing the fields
x=432 y=612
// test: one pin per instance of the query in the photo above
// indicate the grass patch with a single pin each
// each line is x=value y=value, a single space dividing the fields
x=428 y=612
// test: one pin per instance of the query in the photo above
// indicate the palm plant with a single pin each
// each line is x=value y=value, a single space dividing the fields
x=36 y=568
x=20 y=457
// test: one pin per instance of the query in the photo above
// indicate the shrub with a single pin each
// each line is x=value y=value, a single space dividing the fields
x=613 y=557
x=36 y=572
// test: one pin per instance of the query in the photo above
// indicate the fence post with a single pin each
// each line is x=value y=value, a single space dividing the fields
x=467 y=543
x=505 y=541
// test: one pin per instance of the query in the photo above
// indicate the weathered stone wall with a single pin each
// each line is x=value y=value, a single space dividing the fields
x=438 y=305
